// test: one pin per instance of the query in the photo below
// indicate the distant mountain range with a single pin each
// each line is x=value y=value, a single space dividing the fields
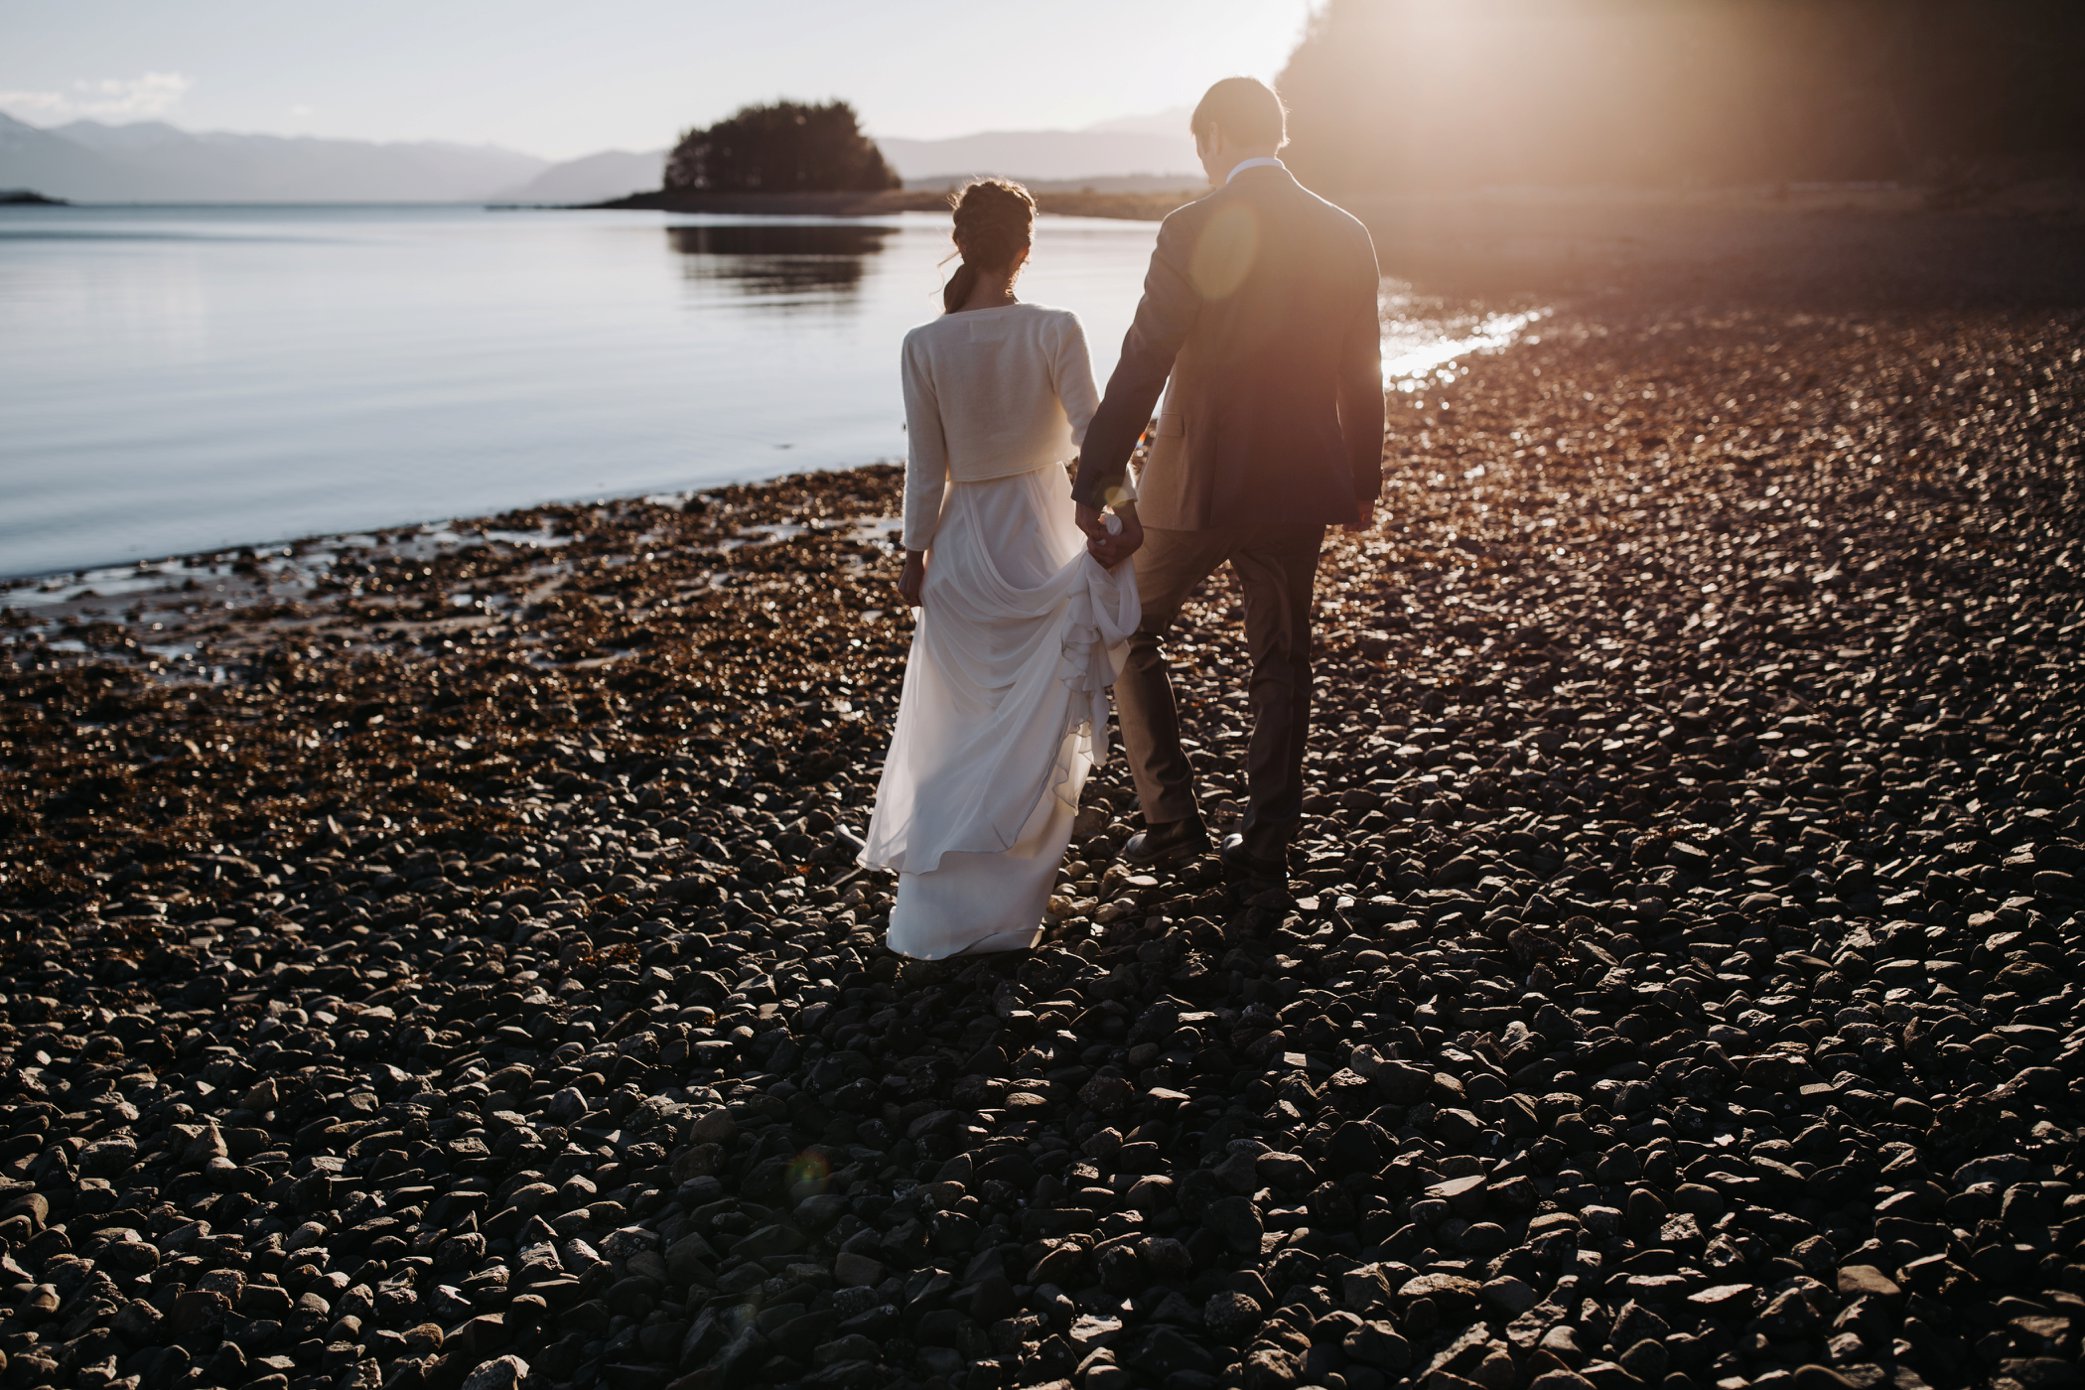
x=1152 y=145
x=151 y=162
x=595 y=178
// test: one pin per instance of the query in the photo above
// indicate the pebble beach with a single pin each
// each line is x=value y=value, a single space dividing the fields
x=437 y=959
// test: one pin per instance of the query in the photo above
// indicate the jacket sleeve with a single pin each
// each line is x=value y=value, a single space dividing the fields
x=1071 y=372
x=1361 y=411
x=1165 y=315
x=926 y=453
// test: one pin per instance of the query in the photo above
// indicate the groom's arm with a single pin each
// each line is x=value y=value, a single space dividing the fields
x=1164 y=316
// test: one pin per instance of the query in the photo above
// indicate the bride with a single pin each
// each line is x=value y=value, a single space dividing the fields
x=1021 y=630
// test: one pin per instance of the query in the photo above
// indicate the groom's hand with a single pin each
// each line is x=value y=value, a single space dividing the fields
x=1088 y=518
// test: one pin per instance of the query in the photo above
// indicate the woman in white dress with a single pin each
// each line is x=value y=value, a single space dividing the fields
x=1021 y=630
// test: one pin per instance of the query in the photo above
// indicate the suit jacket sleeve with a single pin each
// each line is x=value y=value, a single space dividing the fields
x=1071 y=371
x=1361 y=411
x=1164 y=316
x=926 y=453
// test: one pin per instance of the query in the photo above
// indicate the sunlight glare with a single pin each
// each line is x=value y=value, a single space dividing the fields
x=1405 y=365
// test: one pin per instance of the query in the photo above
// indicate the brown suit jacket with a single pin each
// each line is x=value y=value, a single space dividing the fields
x=1261 y=306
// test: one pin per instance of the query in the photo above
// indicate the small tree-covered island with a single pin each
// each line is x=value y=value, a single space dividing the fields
x=797 y=150
x=781 y=147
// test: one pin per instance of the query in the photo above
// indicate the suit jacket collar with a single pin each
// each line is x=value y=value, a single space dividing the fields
x=1255 y=185
x=1248 y=165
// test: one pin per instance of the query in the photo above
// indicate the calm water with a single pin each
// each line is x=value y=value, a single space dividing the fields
x=181 y=379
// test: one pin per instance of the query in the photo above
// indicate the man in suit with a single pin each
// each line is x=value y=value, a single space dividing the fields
x=1261 y=307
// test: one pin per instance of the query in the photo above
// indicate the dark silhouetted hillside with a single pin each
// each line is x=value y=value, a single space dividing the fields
x=1392 y=94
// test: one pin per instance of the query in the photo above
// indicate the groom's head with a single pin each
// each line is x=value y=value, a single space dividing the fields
x=1240 y=118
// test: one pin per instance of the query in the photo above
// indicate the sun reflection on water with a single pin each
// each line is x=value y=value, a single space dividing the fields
x=1421 y=341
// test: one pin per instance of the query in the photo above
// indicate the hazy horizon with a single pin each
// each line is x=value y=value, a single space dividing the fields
x=556 y=83
x=1152 y=121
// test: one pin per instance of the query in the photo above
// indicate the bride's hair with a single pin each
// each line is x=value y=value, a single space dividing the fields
x=995 y=222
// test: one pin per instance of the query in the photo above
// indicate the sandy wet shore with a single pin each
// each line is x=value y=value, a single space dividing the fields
x=443 y=965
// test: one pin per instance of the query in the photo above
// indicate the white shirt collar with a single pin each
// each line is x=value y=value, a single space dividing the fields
x=1265 y=161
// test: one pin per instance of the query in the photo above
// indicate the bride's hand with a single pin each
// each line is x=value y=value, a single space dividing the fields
x=913 y=578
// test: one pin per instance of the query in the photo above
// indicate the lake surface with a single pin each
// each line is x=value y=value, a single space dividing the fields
x=174 y=380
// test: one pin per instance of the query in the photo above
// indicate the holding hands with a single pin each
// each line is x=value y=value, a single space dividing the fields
x=1111 y=537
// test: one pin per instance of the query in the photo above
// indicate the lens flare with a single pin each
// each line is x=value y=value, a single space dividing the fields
x=808 y=1172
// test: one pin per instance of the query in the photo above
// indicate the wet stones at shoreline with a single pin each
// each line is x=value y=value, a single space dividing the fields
x=1683 y=985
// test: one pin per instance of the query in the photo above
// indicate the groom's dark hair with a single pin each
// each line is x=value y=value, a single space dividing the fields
x=1245 y=109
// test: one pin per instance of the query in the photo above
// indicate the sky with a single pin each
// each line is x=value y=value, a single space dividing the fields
x=560 y=78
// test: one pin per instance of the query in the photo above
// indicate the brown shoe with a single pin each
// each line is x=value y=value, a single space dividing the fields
x=1172 y=842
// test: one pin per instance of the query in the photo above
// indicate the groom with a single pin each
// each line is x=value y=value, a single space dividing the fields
x=1260 y=305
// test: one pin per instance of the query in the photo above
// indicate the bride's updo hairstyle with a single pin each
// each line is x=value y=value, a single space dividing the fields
x=995 y=222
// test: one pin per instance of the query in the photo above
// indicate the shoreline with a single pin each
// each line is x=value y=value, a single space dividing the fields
x=43 y=590
x=177 y=598
x=1684 y=955
x=1829 y=247
x=1425 y=336
x=1830 y=250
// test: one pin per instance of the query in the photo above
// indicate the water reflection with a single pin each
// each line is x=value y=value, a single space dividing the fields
x=799 y=263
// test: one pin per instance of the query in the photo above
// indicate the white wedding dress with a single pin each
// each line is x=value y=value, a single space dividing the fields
x=1004 y=707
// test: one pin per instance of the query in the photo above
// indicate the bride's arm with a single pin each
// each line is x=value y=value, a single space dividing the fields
x=1071 y=370
x=926 y=469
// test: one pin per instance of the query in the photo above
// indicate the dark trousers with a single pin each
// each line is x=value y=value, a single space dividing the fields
x=1277 y=567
